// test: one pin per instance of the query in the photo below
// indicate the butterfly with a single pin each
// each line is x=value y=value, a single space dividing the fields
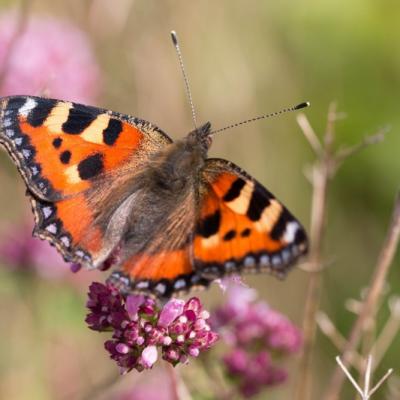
x=108 y=188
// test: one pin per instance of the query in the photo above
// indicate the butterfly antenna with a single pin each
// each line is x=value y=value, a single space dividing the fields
x=274 y=114
x=185 y=78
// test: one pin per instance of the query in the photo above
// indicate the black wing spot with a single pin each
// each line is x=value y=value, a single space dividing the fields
x=39 y=114
x=280 y=225
x=91 y=166
x=78 y=120
x=57 y=142
x=300 y=237
x=234 y=190
x=112 y=132
x=65 y=157
x=258 y=202
x=15 y=103
x=245 y=232
x=230 y=235
x=209 y=225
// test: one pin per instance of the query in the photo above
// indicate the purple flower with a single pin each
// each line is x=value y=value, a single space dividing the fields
x=47 y=55
x=106 y=306
x=258 y=338
x=139 y=328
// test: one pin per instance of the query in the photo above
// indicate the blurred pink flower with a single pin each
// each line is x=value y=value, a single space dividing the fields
x=50 y=56
x=258 y=338
x=254 y=371
x=239 y=295
x=20 y=251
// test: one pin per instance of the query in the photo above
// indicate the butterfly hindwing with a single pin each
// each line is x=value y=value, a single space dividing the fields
x=243 y=227
x=162 y=274
x=68 y=154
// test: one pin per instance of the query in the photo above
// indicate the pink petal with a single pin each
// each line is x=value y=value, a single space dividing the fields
x=133 y=302
x=193 y=304
x=149 y=356
x=172 y=310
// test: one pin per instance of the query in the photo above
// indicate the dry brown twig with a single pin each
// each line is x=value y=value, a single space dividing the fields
x=365 y=392
x=180 y=391
x=370 y=304
x=388 y=332
x=327 y=162
x=380 y=343
x=329 y=329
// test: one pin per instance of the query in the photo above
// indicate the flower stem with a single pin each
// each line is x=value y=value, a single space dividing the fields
x=179 y=389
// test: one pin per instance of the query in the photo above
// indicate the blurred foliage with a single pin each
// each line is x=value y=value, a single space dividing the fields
x=243 y=59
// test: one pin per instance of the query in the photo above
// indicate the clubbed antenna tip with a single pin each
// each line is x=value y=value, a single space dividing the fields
x=302 y=105
x=274 y=114
x=174 y=38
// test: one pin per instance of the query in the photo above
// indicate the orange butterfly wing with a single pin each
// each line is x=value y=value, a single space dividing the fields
x=242 y=227
x=64 y=151
x=162 y=273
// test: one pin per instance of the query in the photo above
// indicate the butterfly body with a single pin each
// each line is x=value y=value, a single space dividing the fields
x=166 y=185
x=110 y=188
x=177 y=167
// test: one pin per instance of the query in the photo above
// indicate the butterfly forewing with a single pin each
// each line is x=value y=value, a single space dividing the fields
x=68 y=152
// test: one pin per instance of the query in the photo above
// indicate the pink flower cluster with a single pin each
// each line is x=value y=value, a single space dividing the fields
x=140 y=327
x=258 y=338
x=48 y=56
